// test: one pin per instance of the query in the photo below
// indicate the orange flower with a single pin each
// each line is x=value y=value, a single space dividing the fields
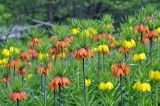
x=61 y=44
x=24 y=56
x=69 y=39
x=82 y=53
x=123 y=50
x=43 y=71
x=120 y=69
x=101 y=36
x=21 y=95
x=145 y=40
x=59 y=82
x=6 y=79
x=22 y=71
x=152 y=34
x=34 y=42
x=98 y=37
x=54 y=51
x=33 y=53
x=110 y=37
x=14 y=64
x=141 y=28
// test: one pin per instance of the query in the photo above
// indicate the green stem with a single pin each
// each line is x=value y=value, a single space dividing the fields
x=103 y=63
x=99 y=59
x=158 y=51
x=54 y=93
x=150 y=48
x=84 y=83
x=17 y=102
x=121 y=91
x=59 y=96
x=157 y=92
x=44 y=91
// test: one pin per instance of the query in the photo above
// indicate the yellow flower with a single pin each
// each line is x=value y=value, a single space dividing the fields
x=133 y=43
x=11 y=49
x=109 y=86
x=103 y=48
x=139 y=57
x=137 y=85
x=102 y=86
x=154 y=75
x=143 y=87
x=129 y=44
x=75 y=31
x=90 y=32
x=29 y=76
x=94 y=49
x=88 y=82
x=136 y=57
x=6 y=52
x=42 y=57
x=142 y=56
x=62 y=55
x=151 y=74
x=158 y=30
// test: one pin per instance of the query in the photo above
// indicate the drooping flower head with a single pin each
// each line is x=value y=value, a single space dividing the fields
x=105 y=86
x=59 y=81
x=143 y=87
x=120 y=69
x=83 y=53
x=18 y=96
x=87 y=82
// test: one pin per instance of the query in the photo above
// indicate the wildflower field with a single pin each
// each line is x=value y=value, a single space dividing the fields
x=85 y=63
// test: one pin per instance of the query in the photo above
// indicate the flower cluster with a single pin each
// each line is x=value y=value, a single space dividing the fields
x=102 y=49
x=143 y=87
x=90 y=32
x=3 y=61
x=129 y=44
x=21 y=95
x=59 y=82
x=120 y=69
x=75 y=31
x=139 y=57
x=11 y=51
x=83 y=53
x=154 y=75
x=105 y=86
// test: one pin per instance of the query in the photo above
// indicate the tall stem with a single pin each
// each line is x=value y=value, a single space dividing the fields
x=158 y=51
x=54 y=94
x=157 y=93
x=103 y=63
x=141 y=38
x=44 y=91
x=99 y=58
x=41 y=82
x=121 y=91
x=59 y=96
x=14 y=73
x=62 y=57
x=17 y=102
x=22 y=80
x=84 y=83
x=150 y=48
